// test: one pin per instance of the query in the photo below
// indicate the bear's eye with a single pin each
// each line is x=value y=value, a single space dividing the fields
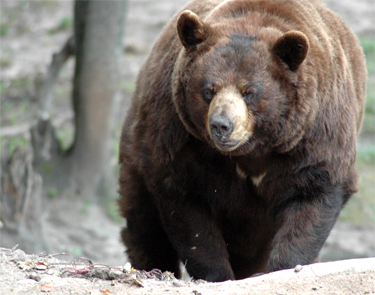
x=250 y=97
x=208 y=93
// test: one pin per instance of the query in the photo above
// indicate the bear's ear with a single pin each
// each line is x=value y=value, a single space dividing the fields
x=191 y=29
x=292 y=48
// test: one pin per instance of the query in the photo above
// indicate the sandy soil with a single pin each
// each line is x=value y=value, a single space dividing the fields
x=85 y=230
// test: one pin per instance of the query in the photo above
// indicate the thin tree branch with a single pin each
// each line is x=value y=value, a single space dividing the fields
x=46 y=91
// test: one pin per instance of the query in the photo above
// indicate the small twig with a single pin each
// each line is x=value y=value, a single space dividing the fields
x=84 y=259
x=56 y=254
x=78 y=270
x=14 y=248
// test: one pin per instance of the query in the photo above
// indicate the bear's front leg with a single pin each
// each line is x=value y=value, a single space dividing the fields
x=198 y=241
x=306 y=222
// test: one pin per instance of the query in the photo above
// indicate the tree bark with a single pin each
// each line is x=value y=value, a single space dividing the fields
x=21 y=205
x=99 y=27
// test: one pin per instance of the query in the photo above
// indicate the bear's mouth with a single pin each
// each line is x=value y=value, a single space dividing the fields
x=227 y=145
x=233 y=146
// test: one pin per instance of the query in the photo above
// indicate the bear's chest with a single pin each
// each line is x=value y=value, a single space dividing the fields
x=222 y=183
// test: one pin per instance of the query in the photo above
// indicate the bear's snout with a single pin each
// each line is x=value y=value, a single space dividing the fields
x=229 y=122
x=221 y=127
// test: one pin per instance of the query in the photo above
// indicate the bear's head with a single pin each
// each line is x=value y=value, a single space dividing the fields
x=238 y=86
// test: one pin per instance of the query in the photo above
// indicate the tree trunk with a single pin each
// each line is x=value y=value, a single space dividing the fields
x=98 y=30
x=21 y=205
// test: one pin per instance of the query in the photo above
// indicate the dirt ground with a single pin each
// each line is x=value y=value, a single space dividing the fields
x=36 y=274
x=86 y=230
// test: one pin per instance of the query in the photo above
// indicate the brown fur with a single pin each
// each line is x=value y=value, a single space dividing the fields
x=234 y=193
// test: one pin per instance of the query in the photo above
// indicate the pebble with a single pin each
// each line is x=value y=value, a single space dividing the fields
x=41 y=267
x=34 y=277
x=128 y=267
x=178 y=283
x=298 y=268
x=18 y=255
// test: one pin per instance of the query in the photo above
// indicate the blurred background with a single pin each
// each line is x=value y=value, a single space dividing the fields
x=53 y=131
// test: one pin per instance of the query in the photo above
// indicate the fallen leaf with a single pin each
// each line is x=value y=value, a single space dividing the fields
x=26 y=265
x=139 y=283
x=43 y=263
x=40 y=267
x=48 y=288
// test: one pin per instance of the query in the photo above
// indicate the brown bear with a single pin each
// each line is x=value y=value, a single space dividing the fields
x=238 y=150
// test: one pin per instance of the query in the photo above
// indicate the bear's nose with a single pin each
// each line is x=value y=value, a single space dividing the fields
x=221 y=126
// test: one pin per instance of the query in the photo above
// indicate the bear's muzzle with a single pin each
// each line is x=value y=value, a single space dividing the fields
x=229 y=124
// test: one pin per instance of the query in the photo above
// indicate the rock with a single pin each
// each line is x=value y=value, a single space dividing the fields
x=18 y=255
